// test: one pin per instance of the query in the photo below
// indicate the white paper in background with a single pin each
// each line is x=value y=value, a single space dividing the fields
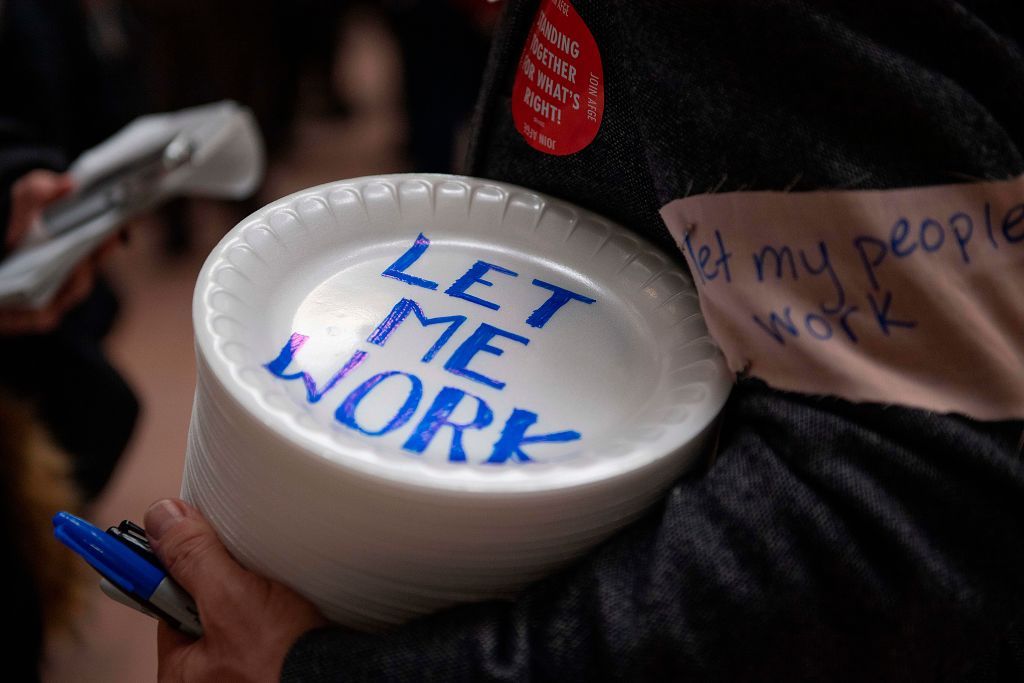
x=228 y=162
x=910 y=296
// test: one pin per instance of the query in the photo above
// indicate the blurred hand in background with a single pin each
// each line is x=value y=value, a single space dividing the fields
x=30 y=195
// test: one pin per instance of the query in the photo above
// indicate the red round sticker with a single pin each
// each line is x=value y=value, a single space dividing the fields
x=558 y=94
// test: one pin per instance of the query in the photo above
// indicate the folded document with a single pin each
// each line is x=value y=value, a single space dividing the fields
x=214 y=150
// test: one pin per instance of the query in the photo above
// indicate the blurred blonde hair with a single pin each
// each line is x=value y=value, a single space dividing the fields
x=35 y=483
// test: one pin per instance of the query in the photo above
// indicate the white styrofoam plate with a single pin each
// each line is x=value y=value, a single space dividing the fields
x=633 y=373
x=383 y=363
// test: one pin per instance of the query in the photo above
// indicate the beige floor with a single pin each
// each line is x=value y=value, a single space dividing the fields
x=153 y=342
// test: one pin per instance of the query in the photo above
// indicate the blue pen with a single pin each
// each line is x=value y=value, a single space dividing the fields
x=131 y=573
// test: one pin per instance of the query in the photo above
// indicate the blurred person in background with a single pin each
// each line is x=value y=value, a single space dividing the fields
x=444 y=49
x=274 y=56
x=69 y=82
x=68 y=86
x=44 y=579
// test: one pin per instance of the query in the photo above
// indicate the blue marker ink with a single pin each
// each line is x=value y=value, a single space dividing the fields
x=703 y=257
x=724 y=257
x=693 y=257
x=346 y=412
x=843 y=316
x=513 y=438
x=882 y=314
x=935 y=225
x=988 y=225
x=278 y=366
x=961 y=238
x=397 y=269
x=898 y=235
x=870 y=264
x=785 y=254
x=559 y=297
x=475 y=276
x=818 y=327
x=775 y=322
x=401 y=311
x=1013 y=218
x=477 y=342
x=826 y=267
x=438 y=415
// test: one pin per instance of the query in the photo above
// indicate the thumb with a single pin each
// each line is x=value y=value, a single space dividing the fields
x=189 y=548
x=29 y=195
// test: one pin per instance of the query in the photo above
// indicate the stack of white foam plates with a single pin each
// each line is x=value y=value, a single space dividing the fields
x=420 y=390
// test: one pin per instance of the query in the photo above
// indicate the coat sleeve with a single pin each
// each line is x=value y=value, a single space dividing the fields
x=828 y=541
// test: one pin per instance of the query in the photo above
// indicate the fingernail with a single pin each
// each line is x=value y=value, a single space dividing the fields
x=161 y=516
